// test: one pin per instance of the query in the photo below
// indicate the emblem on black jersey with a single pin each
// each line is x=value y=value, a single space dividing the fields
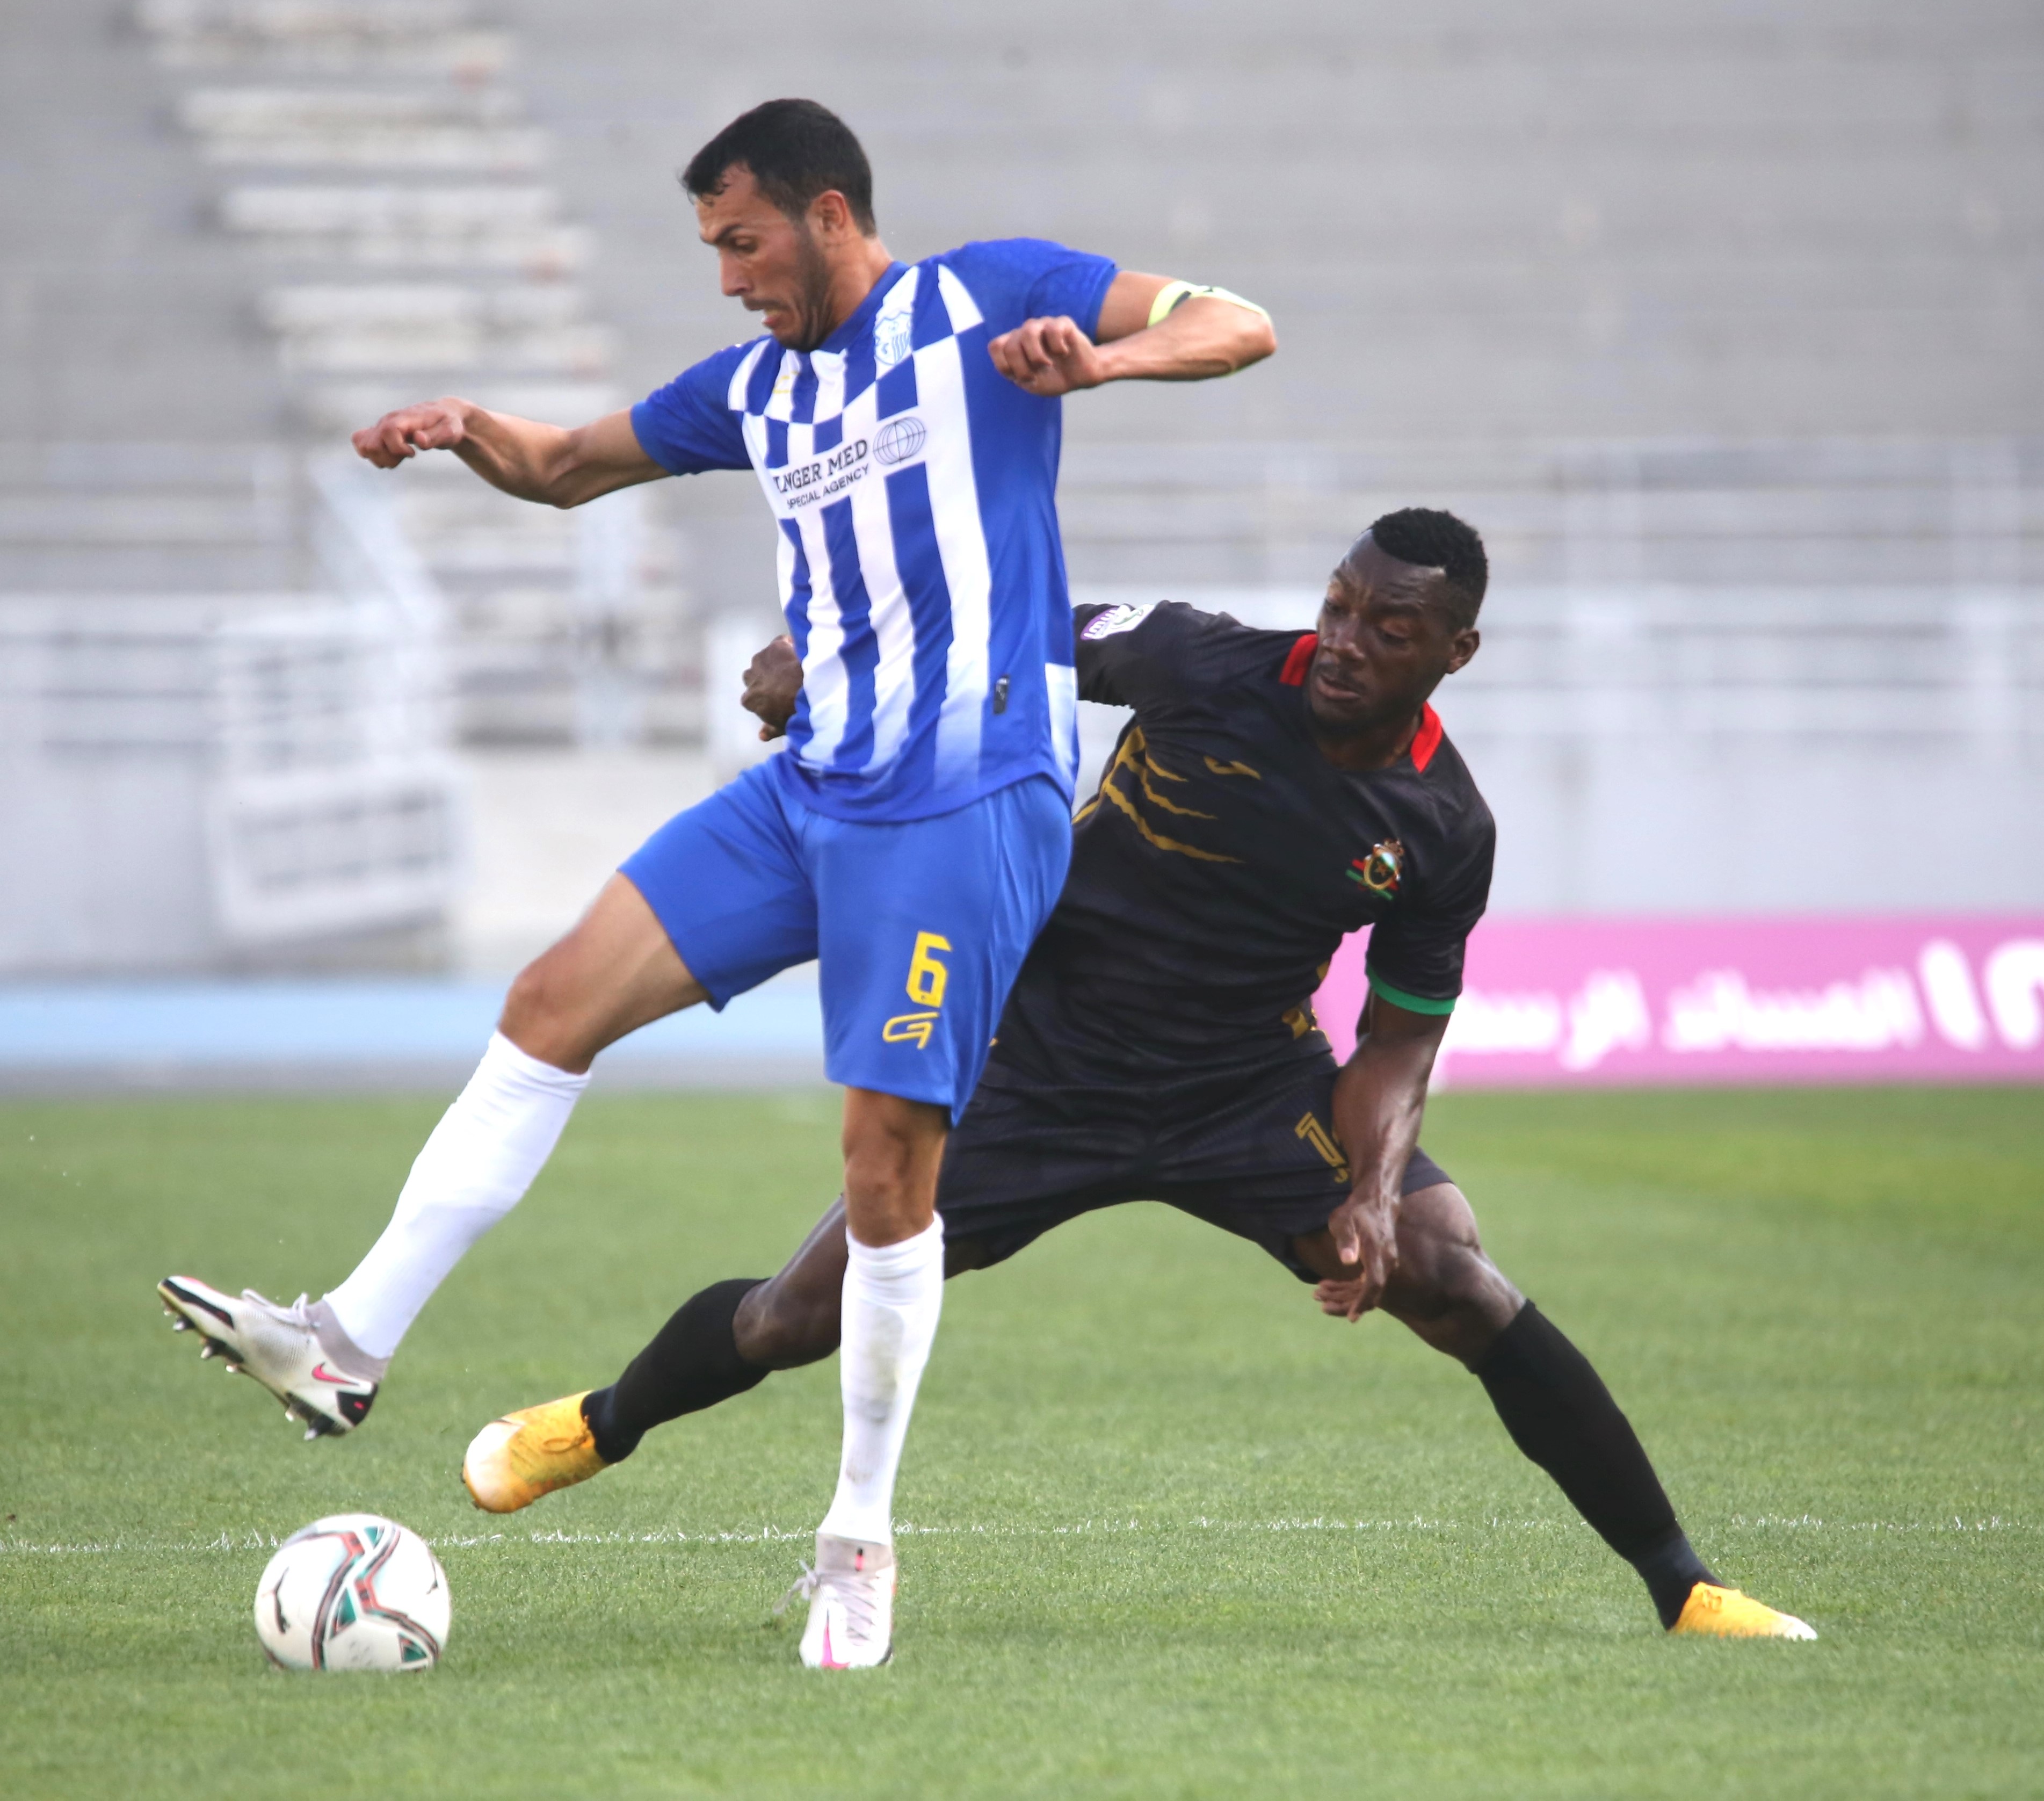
x=1379 y=870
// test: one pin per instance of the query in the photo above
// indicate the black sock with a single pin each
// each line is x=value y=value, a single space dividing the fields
x=693 y=1363
x=1560 y=1414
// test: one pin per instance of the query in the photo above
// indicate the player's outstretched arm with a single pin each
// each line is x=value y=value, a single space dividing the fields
x=1380 y=1098
x=1151 y=329
x=555 y=465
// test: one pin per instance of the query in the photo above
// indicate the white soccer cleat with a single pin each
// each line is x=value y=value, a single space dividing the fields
x=296 y=1353
x=850 y=1594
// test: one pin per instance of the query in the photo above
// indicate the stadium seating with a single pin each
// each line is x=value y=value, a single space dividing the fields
x=1724 y=329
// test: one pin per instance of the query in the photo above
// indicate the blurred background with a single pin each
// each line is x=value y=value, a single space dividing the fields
x=1721 y=321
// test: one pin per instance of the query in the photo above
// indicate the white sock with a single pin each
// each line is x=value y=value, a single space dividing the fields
x=893 y=1295
x=475 y=1168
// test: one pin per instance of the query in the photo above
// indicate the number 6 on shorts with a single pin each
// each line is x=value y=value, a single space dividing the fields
x=927 y=976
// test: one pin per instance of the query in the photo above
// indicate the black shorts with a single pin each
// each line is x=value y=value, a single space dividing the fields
x=1257 y=1158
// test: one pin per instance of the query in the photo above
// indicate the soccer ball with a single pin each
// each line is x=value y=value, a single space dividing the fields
x=353 y=1592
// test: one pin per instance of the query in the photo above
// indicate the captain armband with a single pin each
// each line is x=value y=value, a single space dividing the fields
x=1174 y=294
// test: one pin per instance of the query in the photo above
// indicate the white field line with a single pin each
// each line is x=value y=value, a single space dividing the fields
x=1955 y=1525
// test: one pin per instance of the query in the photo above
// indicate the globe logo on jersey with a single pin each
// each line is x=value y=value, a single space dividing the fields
x=899 y=440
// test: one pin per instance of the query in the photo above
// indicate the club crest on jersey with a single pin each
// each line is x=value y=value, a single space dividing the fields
x=1379 y=870
x=894 y=338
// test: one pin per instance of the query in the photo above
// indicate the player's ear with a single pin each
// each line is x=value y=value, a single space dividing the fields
x=830 y=216
x=1464 y=645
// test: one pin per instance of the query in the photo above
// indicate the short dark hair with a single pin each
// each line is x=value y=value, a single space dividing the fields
x=1435 y=540
x=796 y=150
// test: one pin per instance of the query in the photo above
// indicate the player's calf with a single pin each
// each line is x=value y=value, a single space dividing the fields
x=1559 y=1413
x=726 y=1339
x=693 y=1362
x=1555 y=1406
x=718 y=1343
x=795 y=1318
x=782 y=1325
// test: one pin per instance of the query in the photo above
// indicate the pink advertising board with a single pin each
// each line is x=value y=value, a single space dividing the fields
x=1613 y=1001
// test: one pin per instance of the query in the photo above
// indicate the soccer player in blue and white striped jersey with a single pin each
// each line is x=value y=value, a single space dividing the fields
x=904 y=423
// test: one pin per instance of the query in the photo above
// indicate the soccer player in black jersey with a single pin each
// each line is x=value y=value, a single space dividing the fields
x=1274 y=792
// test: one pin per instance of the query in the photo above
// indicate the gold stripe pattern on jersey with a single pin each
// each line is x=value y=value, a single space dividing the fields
x=1133 y=767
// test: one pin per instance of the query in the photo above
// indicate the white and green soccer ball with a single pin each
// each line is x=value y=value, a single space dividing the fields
x=353 y=1592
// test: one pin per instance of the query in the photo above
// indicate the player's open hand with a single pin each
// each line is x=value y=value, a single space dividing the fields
x=773 y=683
x=1048 y=357
x=432 y=425
x=1364 y=1229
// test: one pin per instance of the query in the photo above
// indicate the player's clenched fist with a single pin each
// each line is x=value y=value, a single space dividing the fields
x=1048 y=357
x=432 y=425
x=773 y=685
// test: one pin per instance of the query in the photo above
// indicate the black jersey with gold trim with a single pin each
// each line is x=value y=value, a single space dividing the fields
x=1223 y=859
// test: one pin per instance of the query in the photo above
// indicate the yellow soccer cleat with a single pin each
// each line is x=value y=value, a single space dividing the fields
x=1725 y=1613
x=512 y=1462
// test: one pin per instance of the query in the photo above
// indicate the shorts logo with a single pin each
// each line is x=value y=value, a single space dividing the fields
x=928 y=979
x=1379 y=870
x=910 y=1028
x=899 y=440
x=1124 y=618
x=1322 y=1140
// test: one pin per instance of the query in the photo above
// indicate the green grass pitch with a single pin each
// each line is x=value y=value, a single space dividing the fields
x=1175 y=1534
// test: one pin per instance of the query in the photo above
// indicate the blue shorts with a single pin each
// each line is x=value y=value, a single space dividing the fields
x=919 y=926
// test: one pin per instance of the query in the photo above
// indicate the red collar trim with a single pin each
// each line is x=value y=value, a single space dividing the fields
x=1426 y=739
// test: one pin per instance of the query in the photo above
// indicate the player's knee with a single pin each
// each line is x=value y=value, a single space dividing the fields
x=1464 y=1280
x=883 y=1201
x=1456 y=1299
x=1438 y=1252
x=892 y=1147
x=1448 y=1290
x=533 y=1008
x=542 y=1016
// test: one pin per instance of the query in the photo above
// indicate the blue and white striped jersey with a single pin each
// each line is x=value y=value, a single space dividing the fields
x=915 y=488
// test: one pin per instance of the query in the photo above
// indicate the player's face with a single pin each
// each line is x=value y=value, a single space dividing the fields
x=1385 y=642
x=767 y=261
